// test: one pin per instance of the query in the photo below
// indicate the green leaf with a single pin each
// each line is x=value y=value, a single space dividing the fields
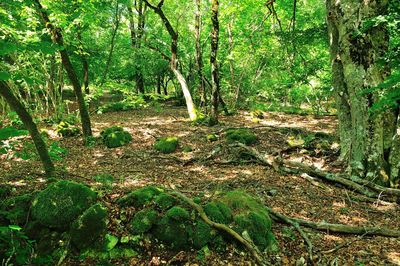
x=9 y=132
x=15 y=227
x=110 y=242
x=4 y=75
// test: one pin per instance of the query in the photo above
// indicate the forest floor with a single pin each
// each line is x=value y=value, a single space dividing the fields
x=138 y=164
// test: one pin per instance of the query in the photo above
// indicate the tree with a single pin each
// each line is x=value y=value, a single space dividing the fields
x=174 y=57
x=58 y=39
x=215 y=83
x=26 y=118
x=199 y=56
x=369 y=141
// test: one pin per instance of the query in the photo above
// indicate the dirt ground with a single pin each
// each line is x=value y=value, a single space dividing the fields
x=137 y=164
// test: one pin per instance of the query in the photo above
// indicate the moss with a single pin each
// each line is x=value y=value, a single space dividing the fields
x=239 y=201
x=114 y=137
x=218 y=212
x=66 y=129
x=165 y=201
x=5 y=191
x=143 y=221
x=212 y=137
x=187 y=149
x=140 y=197
x=241 y=135
x=89 y=227
x=201 y=235
x=173 y=229
x=16 y=209
x=61 y=203
x=166 y=144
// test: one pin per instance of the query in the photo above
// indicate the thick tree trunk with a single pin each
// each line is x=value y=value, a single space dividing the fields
x=26 y=118
x=199 y=57
x=174 y=60
x=214 y=64
x=368 y=141
x=58 y=38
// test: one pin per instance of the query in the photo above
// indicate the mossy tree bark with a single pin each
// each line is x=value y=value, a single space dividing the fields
x=369 y=142
x=16 y=105
x=213 y=62
x=174 y=58
x=58 y=39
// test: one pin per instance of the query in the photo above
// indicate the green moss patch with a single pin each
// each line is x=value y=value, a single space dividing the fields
x=140 y=197
x=212 y=137
x=165 y=201
x=241 y=135
x=61 y=203
x=166 y=144
x=143 y=221
x=66 y=129
x=114 y=137
x=91 y=226
x=218 y=212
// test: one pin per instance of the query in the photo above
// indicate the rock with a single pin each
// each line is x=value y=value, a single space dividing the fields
x=140 y=197
x=61 y=203
x=90 y=227
x=143 y=221
x=114 y=137
x=166 y=144
x=242 y=135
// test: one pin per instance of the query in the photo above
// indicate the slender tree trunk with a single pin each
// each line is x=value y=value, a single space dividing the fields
x=58 y=38
x=141 y=22
x=231 y=66
x=174 y=60
x=214 y=64
x=369 y=141
x=26 y=118
x=85 y=64
x=199 y=57
x=117 y=20
x=159 y=84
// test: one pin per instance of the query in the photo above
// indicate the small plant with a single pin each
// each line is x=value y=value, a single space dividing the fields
x=114 y=137
x=15 y=246
x=212 y=137
x=166 y=144
x=65 y=129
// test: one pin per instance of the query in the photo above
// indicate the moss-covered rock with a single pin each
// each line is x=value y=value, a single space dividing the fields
x=174 y=228
x=143 y=221
x=61 y=203
x=166 y=144
x=140 y=197
x=165 y=201
x=218 y=212
x=91 y=226
x=65 y=129
x=114 y=137
x=202 y=234
x=241 y=135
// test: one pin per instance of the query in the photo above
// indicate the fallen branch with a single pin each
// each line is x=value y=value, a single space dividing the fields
x=222 y=227
x=337 y=228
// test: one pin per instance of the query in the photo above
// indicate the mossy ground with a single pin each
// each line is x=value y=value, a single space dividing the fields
x=114 y=137
x=242 y=135
x=166 y=144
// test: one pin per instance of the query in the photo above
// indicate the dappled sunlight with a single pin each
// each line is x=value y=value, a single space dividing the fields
x=393 y=257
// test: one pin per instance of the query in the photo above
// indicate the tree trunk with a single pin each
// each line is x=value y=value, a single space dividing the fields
x=231 y=67
x=26 y=118
x=85 y=64
x=214 y=64
x=58 y=38
x=114 y=34
x=174 y=60
x=199 y=57
x=369 y=142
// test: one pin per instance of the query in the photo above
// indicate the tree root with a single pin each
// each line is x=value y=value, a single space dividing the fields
x=222 y=227
x=337 y=228
x=359 y=185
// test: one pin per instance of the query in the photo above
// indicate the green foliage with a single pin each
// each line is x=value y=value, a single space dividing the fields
x=16 y=209
x=241 y=135
x=89 y=227
x=115 y=136
x=66 y=129
x=143 y=221
x=140 y=197
x=61 y=203
x=187 y=149
x=105 y=179
x=166 y=144
x=115 y=107
x=15 y=246
x=9 y=132
x=212 y=137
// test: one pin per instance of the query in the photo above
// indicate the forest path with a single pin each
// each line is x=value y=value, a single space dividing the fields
x=137 y=164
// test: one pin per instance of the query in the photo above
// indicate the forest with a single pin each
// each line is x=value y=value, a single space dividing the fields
x=199 y=132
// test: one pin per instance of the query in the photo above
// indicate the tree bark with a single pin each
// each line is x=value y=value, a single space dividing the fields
x=26 y=118
x=58 y=38
x=174 y=60
x=85 y=64
x=199 y=56
x=214 y=64
x=231 y=66
x=368 y=140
